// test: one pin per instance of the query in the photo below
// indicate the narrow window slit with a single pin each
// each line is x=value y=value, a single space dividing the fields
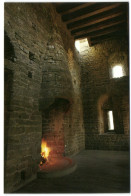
x=110 y=120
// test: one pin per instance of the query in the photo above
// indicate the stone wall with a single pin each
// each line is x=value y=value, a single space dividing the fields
x=101 y=93
x=47 y=86
x=38 y=73
x=115 y=142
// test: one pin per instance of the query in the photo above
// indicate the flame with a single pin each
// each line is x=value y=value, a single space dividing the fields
x=44 y=149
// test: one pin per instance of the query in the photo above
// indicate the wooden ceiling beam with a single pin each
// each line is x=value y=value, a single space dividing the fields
x=63 y=7
x=92 y=43
x=99 y=33
x=107 y=37
x=107 y=8
x=70 y=10
x=105 y=32
x=99 y=27
x=95 y=21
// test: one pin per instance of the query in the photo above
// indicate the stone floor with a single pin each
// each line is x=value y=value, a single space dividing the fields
x=97 y=172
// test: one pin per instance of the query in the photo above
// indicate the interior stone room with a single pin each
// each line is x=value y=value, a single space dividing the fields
x=66 y=97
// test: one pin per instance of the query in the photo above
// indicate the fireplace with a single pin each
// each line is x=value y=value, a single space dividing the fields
x=53 y=162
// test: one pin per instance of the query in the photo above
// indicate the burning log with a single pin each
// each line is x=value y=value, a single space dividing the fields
x=44 y=152
x=43 y=160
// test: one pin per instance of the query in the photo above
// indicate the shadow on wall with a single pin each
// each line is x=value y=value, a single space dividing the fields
x=8 y=83
x=101 y=124
x=8 y=48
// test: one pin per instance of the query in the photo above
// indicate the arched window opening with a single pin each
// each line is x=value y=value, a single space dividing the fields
x=106 y=117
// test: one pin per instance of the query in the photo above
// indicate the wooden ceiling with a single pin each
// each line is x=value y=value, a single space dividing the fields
x=95 y=21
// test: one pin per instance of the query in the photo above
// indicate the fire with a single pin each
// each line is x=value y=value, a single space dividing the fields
x=44 y=149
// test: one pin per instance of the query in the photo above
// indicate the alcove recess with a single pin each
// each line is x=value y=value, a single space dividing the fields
x=53 y=162
x=52 y=126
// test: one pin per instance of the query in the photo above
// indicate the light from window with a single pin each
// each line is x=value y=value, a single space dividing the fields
x=81 y=44
x=110 y=120
x=117 y=71
x=77 y=45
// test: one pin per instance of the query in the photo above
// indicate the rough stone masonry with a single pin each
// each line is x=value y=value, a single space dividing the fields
x=50 y=87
